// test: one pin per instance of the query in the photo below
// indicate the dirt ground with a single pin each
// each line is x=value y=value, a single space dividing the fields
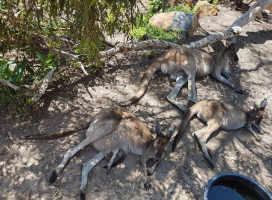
x=25 y=166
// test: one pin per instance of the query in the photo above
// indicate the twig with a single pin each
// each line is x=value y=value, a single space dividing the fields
x=82 y=67
x=15 y=87
x=6 y=83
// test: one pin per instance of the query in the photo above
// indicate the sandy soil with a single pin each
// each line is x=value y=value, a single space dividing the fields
x=25 y=166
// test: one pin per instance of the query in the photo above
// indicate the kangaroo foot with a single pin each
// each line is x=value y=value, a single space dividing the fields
x=82 y=195
x=205 y=151
x=147 y=185
x=175 y=103
x=53 y=177
x=193 y=100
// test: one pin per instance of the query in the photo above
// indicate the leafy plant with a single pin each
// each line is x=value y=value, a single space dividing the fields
x=214 y=2
x=21 y=73
x=14 y=76
x=36 y=26
x=181 y=8
x=156 y=33
x=144 y=28
x=155 y=5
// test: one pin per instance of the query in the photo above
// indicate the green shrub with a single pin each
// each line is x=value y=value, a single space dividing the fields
x=156 y=33
x=21 y=73
x=144 y=28
x=180 y=8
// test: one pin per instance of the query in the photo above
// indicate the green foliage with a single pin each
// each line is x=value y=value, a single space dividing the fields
x=180 y=8
x=14 y=76
x=34 y=26
x=155 y=5
x=144 y=28
x=21 y=73
x=156 y=33
x=88 y=21
x=214 y=2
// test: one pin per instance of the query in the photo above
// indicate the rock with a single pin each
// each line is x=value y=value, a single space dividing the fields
x=205 y=9
x=185 y=22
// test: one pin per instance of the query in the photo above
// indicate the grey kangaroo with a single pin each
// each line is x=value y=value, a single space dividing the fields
x=185 y=64
x=112 y=130
x=217 y=114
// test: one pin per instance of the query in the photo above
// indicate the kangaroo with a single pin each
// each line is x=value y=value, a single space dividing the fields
x=217 y=114
x=112 y=130
x=185 y=64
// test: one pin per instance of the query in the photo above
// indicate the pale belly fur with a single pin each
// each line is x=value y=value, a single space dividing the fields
x=227 y=124
x=232 y=125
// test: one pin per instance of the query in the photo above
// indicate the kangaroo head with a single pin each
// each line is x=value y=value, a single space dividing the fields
x=231 y=53
x=157 y=148
x=255 y=115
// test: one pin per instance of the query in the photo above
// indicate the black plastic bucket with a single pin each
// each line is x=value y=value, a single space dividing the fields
x=228 y=186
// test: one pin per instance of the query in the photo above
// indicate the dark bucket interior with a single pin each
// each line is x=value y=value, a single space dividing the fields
x=228 y=186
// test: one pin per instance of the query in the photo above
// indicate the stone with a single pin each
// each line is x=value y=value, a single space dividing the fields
x=181 y=21
x=205 y=9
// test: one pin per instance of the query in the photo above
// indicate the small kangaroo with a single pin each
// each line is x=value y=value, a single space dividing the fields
x=185 y=64
x=112 y=130
x=217 y=114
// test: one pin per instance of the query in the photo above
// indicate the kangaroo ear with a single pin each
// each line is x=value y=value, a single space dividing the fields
x=158 y=129
x=256 y=107
x=264 y=103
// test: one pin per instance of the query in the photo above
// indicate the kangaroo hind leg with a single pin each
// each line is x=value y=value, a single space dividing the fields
x=212 y=125
x=69 y=154
x=86 y=168
x=171 y=97
x=192 y=95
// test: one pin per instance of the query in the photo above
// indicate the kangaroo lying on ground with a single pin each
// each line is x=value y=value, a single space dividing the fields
x=112 y=130
x=185 y=64
x=217 y=114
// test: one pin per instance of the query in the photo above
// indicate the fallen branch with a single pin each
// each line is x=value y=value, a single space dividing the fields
x=159 y=44
x=15 y=87
x=236 y=28
x=225 y=35
x=252 y=12
x=44 y=83
x=6 y=83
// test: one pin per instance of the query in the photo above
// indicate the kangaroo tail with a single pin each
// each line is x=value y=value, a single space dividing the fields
x=58 y=134
x=143 y=85
x=194 y=109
